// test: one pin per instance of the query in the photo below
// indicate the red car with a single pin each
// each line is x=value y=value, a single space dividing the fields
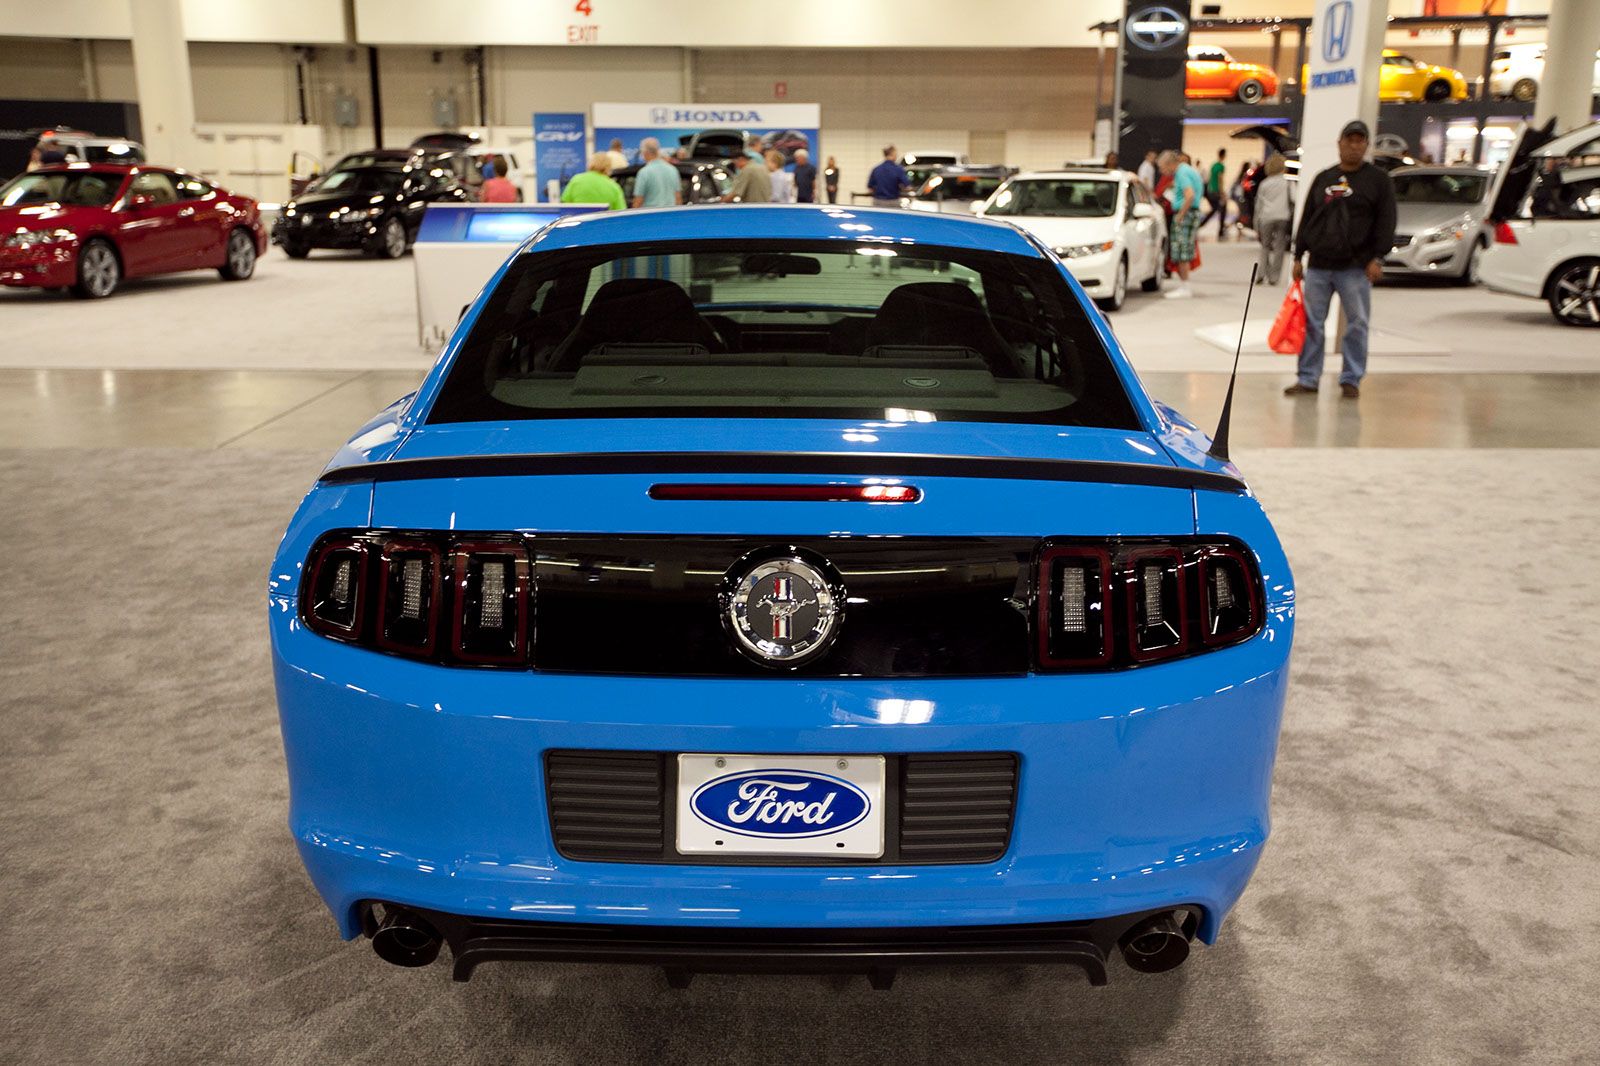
x=87 y=226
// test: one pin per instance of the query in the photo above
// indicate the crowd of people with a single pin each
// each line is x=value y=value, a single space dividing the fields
x=761 y=176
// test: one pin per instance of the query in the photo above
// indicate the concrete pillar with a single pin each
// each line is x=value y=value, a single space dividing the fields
x=1566 y=90
x=161 y=75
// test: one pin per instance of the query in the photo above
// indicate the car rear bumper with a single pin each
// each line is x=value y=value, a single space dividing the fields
x=422 y=786
x=1513 y=269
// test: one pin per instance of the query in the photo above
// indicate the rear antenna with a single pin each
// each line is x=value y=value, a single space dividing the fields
x=1219 y=439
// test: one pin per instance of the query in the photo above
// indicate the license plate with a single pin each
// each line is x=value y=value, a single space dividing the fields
x=785 y=805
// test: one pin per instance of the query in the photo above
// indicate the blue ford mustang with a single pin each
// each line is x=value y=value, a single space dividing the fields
x=791 y=588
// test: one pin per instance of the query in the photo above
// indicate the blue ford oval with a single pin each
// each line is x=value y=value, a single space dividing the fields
x=781 y=588
x=780 y=803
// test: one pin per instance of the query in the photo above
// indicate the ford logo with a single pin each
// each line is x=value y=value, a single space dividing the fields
x=779 y=803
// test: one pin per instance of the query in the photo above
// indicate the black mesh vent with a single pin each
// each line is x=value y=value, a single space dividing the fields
x=945 y=808
x=606 y=804
x=956 y=808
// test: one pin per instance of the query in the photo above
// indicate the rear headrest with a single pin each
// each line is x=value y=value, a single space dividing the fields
x=653 y=296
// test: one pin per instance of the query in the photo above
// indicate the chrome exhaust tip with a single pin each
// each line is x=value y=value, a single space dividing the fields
x=1155 y=945
x=404 y=939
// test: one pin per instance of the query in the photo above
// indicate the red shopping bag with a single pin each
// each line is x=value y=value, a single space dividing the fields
x=1288 y=331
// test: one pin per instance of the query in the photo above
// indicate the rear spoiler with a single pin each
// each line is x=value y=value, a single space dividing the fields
x=801 y=463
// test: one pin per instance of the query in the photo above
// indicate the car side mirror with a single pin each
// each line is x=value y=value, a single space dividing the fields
x=1143 y=211
x=138 y=202
x=977 y=209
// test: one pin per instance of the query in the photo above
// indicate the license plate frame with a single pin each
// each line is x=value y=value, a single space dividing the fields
x=800 y=816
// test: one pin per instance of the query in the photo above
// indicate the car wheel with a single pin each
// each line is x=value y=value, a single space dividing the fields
x=1153 y=282
x=1250 y=91
x=1575 y=293
x=1525 y=90
x=296 y=251
x=99 y=271
x=391 y=240
x=1469 y=276
x=1119 y=288
x=241 y=259
x=1437 y=90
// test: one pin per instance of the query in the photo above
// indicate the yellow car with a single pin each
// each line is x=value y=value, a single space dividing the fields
x=1403 y=78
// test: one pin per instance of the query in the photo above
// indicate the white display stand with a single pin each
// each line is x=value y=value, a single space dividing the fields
x=460 y=246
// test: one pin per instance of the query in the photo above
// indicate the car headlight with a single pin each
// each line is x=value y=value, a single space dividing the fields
x=40 y=236
x=1453 y=230
x=1077 y=251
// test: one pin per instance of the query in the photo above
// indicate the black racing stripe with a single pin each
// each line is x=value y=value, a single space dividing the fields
x=879 y=465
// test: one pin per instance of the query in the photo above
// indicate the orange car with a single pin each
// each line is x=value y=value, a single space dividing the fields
x=1213 y=74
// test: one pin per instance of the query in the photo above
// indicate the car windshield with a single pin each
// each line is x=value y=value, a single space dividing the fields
x=1439 y=188
x=799 y=329
x=371 y=180
x=1056 y=197
x=70 y=189
x=958 y=187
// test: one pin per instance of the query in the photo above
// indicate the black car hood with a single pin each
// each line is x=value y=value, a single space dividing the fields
x=333 y=200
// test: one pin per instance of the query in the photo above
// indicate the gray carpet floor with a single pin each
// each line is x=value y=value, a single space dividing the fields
x=1430 y=894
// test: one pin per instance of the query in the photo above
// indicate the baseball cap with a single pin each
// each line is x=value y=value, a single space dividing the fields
x=1356 y=128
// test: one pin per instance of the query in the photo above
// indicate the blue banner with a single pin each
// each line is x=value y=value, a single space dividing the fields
x=558 y=150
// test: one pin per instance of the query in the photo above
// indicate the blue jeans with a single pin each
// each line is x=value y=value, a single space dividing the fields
x=1355 y=293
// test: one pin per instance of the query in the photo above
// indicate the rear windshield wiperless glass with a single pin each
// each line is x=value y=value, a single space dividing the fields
x=1439 y=188
x=800 y=329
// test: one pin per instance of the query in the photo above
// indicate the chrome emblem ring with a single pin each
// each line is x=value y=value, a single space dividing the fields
x=782 y=611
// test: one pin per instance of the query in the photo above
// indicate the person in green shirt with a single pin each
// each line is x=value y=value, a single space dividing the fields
x=594 y=186
x=1216 y=203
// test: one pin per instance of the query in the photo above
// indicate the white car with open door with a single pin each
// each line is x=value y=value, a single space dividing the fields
x=1545 y=211
x=1104 y=224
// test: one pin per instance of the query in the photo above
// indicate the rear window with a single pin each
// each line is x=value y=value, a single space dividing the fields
x=1439 y=188
x=799 y=329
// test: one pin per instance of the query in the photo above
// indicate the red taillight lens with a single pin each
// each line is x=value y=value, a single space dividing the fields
x=1504 y=234
x=428 y=596
x=490 y=581
x=1073 y=624
x=1125 y=603
x=334 y=587
x=1158 y=619
x=1230 y=593
x=409 y=594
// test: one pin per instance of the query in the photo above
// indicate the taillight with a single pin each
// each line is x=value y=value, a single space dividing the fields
x=335 y=587
x=1504 y=234
x=429 y=597
x=1126 y=603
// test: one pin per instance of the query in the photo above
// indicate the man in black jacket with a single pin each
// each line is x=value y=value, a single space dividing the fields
x=1346 y=229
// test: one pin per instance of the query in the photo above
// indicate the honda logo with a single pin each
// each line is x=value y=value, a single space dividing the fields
x=1336 y=20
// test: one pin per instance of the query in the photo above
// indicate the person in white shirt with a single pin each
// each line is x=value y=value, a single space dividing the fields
x=783 y=191
x=1147 y=169
x=1273 y=211
x=616 y=156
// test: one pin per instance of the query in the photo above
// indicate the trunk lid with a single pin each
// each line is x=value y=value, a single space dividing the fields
x=586 y=475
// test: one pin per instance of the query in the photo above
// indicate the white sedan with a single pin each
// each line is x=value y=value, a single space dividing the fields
x=1104 y=224
x=1518 y=69
x=1547 y=237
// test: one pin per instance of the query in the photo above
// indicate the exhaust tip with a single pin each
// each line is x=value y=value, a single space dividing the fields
x=1155 y=945
x=404 y=939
